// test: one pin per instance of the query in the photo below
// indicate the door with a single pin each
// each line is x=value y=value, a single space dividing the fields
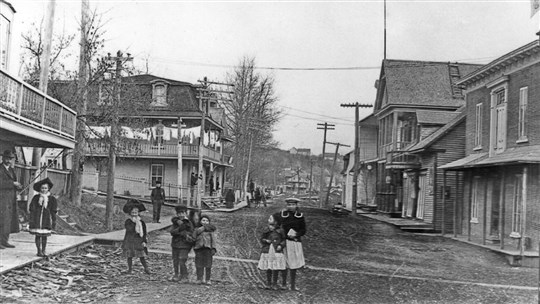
x=421 y=196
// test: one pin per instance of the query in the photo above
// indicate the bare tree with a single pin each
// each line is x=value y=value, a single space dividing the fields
x=251 y=113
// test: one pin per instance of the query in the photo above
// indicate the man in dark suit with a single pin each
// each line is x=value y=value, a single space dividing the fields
x=158 y=198
x=9 y=218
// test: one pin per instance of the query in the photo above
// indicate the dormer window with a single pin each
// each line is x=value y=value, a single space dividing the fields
x=159 y=94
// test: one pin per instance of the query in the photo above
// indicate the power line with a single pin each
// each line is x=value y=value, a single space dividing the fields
x=321 y=115
x=315 y=119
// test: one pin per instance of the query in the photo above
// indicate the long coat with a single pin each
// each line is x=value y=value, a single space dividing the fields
x=132 y=240
x=182 y=233
x=9 y=218
x=42 y=219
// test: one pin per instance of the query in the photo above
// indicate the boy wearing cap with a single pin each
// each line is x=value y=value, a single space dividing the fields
x=182 y=241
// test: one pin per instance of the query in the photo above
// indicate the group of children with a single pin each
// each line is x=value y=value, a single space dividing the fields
x=189 y=231
x=281 y=243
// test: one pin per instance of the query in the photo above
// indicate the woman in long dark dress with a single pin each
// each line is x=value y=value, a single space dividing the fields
x=42 y=212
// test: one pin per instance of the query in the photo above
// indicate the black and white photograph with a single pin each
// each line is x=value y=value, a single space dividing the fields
x=270 y=151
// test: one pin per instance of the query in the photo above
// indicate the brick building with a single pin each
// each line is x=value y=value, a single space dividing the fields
x=501 y=199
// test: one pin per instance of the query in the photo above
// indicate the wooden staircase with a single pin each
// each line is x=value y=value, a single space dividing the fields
x=213 y=202
x=63 y=220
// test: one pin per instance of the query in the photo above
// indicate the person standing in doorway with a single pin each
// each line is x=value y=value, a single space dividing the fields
x=158 y=198
x=211 y=185
x=9 y=219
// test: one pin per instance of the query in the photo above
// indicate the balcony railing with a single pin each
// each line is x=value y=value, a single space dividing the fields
x=138 y=149
x=22 y=102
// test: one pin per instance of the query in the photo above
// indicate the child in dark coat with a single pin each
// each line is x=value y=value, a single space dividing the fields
x=135 y=239
x=182 y=241
x=205 y=248
x=42 y=215
x=272 y=258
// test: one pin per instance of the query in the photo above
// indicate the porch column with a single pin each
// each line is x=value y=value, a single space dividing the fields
x=502 y=209
x=435 y=190
x=484 y=223
x=471 y=181
x=443 y=203
x=524 y=210
x=454 y=225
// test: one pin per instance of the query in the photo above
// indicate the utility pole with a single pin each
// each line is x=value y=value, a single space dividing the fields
x=206 y=94
x=44 y=70
x=113 y=139
x=333 y=167
x=310 y=177
x=356 y=106
x=180 y=168
x=80 y=141
x=325 y=126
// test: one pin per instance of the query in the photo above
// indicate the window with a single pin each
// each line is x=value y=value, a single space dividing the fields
x=159 y=94
x=475 y=198
x=498 y=119
x=522 y=124
x=478 y=127
x=517 y=206
x=156 y=173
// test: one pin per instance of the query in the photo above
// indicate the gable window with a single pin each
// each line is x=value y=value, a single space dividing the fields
x=159 y=94
x=478 y=127
x=156 y=173
x=517 y=206
x=475 y=199
x=498 y=119
x=522 y=121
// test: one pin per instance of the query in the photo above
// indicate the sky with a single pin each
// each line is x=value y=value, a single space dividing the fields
x=188 y=40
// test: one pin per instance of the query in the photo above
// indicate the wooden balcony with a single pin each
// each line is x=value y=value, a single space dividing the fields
x=398 y=158
x=29 y=117
x=136 y=149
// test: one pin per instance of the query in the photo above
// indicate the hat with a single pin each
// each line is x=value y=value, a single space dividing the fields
x=158 y=182
x=37 y=185
x=180 y=208
x=8 y=154
x=131 y=204
x=292 y=200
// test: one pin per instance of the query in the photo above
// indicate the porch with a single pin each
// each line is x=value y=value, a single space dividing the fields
x=29 y=117
x=139 y=149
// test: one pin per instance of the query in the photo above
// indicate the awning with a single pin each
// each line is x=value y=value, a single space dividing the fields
x=464 y=162
x=512 y=156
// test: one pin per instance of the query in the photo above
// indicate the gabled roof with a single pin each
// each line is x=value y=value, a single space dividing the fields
x=434 y=117
x=435 y=136
x=494 y=66
x=421 y=83
x=9 y=5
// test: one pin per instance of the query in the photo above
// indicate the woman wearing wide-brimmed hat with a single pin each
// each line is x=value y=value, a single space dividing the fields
x=42 y=210
x=293 y=223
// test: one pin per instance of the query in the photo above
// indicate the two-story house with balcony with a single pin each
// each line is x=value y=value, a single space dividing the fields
x=150 y=152
x=414 y=100
x=501 y=169
x=28 y=116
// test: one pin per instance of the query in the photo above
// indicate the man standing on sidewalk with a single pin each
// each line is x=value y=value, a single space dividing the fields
x=158 y=197
x=9 y=218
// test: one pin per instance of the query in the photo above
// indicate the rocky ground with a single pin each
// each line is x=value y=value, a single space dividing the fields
x=350 y=261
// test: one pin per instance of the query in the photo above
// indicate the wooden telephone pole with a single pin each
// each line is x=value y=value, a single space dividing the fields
x=325 y=126
x=356 y=106
x=332 y=172
x=119 y=61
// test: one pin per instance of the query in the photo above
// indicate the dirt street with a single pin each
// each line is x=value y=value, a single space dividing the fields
x=349 y=261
